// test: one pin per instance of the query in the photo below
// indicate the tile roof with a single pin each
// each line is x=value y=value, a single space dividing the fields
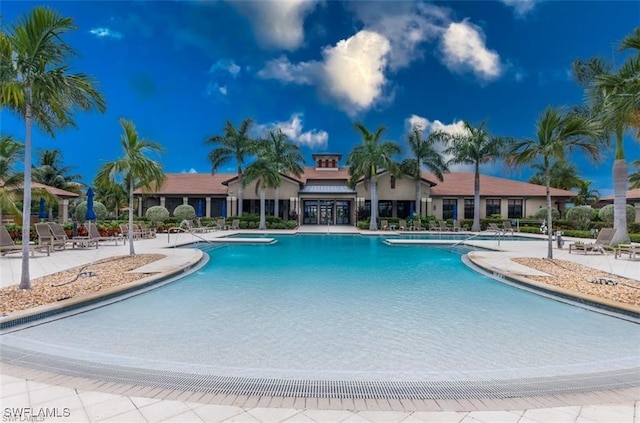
x=311 y=173
x=458 y=184
x=192 y=184
x=632 y=194
x=53 y=190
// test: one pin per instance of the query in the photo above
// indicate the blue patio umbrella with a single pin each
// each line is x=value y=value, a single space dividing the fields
x=411 y=210
x=199 y=209
x=223 y=211
x=455 y=211
x=42 y=210
x=90 y=213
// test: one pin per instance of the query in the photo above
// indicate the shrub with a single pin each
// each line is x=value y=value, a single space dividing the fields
x=184 y=212
x=541 y=213
x=81 y=210
x=581 y=216
x=157 y=214
x=606 y=213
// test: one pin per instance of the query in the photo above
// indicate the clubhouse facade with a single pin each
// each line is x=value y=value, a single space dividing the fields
x=322 y=196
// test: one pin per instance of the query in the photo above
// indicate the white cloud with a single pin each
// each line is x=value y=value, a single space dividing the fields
x=293 y=129
x=277 y=23
x=104 y=32
x=283 y=70
x=351 y=72
x=223 y=90
x=463 y=46
x=226 y=66
x=354 y=70
x=521 y=7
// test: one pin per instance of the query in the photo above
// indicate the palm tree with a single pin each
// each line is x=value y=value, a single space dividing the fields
x=634 y=178
x=556 y=133
x=367 y=159
x=232 y=144
x=564 y=175
x=10 y=181
x=586 y=195
x=134 y=168
x=614 y=98
x=425 y=155
x=36 y=84
x=286 y=158
x=475 y=147
x=50 y=171
x=265 y=172
x=112 y=194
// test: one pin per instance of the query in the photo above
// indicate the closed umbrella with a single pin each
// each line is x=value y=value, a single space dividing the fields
x=199 y=209
x=42 y=212
x=411 y=210
x=90 y=214
x=223 y=211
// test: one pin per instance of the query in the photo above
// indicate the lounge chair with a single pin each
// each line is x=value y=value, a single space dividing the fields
x=633 y=250
x=94 y=234
x=384 y=225
x=7 y=246
x=402 y=225
x=433 y=226
x=124 y=230
x=221 y=225
x=443 y=226
x=492 y=227
x=61 y=235
x=46 y=237
x=605 y=236
x=199 y=226
x=417 y=225
x=456 y=226
x=506 y=227
x=235 y=224
x=145 y=231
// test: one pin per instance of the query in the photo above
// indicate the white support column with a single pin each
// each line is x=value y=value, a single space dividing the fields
x=185 y=200
x=207 y=209
x=163 y=201
x=140 y=206
x=425 y=206
x=63 y=211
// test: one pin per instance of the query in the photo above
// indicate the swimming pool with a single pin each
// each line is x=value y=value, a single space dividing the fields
x=341 y=308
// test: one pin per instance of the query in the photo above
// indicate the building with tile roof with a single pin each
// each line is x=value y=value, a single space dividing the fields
x=322 y=195
x=633 y=198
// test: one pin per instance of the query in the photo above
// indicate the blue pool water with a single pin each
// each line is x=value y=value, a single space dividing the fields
x=342 y=307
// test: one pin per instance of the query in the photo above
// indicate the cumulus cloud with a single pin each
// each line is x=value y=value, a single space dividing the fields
x=463 y=48
x=104 y=32
x=277 y=23
x=351 y=72
x=354 y=69
x=293 y=129
x=521 y=7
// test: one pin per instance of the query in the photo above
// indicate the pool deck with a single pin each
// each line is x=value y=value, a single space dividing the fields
x=93 y=401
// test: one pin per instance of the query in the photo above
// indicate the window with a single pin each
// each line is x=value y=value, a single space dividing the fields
x=333 y=163
x=449 y=208
x=493 y=206
x=515 y=209
x=385 y=208
x=393 y=182
x=468 y=208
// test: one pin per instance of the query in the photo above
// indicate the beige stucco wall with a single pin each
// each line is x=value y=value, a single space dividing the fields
x=404 y=190
x=288 y=189
x=530 y=206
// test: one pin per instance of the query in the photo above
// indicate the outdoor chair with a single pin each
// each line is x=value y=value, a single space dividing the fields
x=384 y=225
x=417 y=225
x=46 y=237
x=605 y=236
x=146 y=231
x=94 y=234
x=443 y=226
x=633 y=250
x=402 y=225
x=492 y=227
x=221 y=225
x=7 y=245
x=199 y=226
x=124 y=230
x=235 y=224
x=433 y=226
x=60 y=234
x=456 y=226
x=506 y=227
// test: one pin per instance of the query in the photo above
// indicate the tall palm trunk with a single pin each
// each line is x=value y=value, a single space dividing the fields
x=276 y=206
x=373 y=225
x=620 y=170
x=476 y=200
x=263 y=219
x=240 y=191
x=418 y=197
x=547 y=177
x=25 y=279
x=130 y=233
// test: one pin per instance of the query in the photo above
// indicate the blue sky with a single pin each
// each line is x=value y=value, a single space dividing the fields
x=180 y=69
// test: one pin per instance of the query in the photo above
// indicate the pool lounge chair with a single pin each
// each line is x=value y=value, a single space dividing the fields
x=605 y=236
x=417 y=225
x=492 y=227
x=235 y=224
x=443 y=226
x=94 y=234
x=632 y=250
x=506 y=227
x=46 y=237
x=402 y=225
x=60 y=234
x=8 y=246
x=384 y=225
x=433 y=226
x=221 y=225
